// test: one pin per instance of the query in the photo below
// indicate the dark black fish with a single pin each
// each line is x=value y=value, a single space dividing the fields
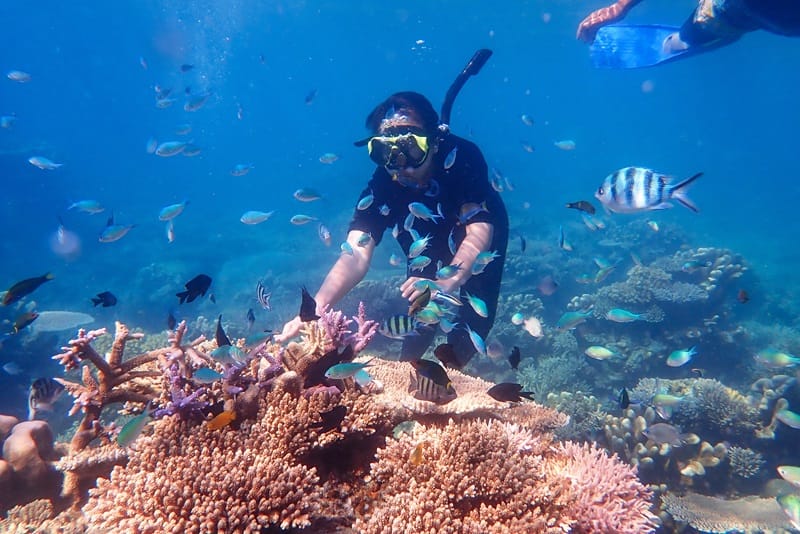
x=315 y=373
x=522 y=244
x=24 y=287
x=623 y=400
x=431 y=382
x=311 y=96
x=330 y=419
x=263 y=296
x=446 y=354
x=251 y=318
x=194 y=288
x=212 y=297
x=42 y=395
x=420 y=302
x=186 y=67
x=171 y=322
x=582 y=205
x=308 y=307
x=514 y=358
x=219 y=335
x=508 y=392
x=106 y=298
x=24 y=320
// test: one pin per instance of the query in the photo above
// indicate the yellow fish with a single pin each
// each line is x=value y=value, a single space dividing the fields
x=417 y=457
x=222 y=420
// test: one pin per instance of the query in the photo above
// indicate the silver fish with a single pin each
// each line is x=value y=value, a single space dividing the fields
x=635 y=189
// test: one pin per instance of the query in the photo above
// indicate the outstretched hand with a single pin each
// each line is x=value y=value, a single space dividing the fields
x=290 y=330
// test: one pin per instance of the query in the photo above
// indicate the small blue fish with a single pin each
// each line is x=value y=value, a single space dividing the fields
x=421 y=211
x=477 y=304
x=170 y=148
x=486 y=257
x=384 y=210
x=570 y=320
x=451 y=158
x=563 y=244
x=307 y=195
x=395 y=260
x=363 y=239
x=114 y=232
x=447 y=271
x=301 y=219
x=88 y=206
x=173 y=210
x=240 y=169
x=419 y=246
x=255 y=217
x=229 y=354
x=204 y=375
x=365 y=202
x=451 y=242
x=340 y=371
x=680 y=357
x=470 y=210
x=477 y=340
x=134 y=427
x=346 y=248
x=618 y=315
x=419 y=263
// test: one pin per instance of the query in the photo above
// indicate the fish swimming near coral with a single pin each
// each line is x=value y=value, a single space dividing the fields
x=195 y=287
x=582 y=205
x=662 y=433
x=43 y=393
x=431 y=382
x=23 y=320
x=219 y=334
x=262 y=295
x=106 y=298
x=308 y=307
x=315 y=373
x=623 y=400
x=221 y=420
x=398 y=326
x=133 y=428
x=680 y=357
x=446 y=354
x=330 y=419
x=508 y=392
x=340 y=371
x=514 y=358
x=24 y=287
x=635 y=189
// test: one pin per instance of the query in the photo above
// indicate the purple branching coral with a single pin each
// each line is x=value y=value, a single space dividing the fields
x=337 y=329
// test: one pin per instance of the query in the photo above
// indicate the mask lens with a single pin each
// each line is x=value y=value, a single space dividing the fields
x=408 y=150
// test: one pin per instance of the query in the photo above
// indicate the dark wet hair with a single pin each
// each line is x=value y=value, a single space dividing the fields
x=416 y=103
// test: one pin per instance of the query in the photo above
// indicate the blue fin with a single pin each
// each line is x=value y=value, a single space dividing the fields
x=632 y=46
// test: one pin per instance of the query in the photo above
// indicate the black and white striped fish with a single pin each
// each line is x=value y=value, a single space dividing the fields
x=42 y=395
x=635 y=189
x=431 y=382
x=263 y=296
x=398 y=326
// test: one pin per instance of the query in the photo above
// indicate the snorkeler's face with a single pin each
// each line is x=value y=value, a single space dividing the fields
x=419 y=170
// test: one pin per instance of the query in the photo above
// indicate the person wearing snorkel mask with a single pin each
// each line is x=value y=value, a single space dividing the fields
x=432 y=189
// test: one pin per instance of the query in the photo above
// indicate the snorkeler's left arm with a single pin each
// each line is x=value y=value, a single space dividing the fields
x=478 y=239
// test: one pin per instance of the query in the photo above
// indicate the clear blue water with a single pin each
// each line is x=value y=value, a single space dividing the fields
x=91 y=106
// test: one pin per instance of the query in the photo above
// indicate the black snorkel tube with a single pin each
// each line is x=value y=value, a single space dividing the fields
x=473 y=67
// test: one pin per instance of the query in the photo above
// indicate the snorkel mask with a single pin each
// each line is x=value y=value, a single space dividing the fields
x=397 y=152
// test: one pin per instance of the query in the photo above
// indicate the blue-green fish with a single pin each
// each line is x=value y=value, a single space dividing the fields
x=170 y=148
x=427 y=316
x=790 y=504
x=692 y=265
x=618 y=315
x=346 y=248
x=228 y=354
x=255 y=217
x=477 y=304
x=486 y=257
x=788 y=418
x=477 y=340
x=340 y=371
x=776 y=359
x=447 y=271
x=307 y=195
x=365 y=202
x=134 y=427
x=363 y=239
x=421 y=211
x=423 y=283
x=173 y=210
x=204 y=375
x=419 y=246
x=600 y=353
x=571 y=319
x=363 y=379
x=114 y=232
x=680 y=357
x=240 y=169
x=301 y=219
x=419 y=263
x=790 y=474
x=89 y=206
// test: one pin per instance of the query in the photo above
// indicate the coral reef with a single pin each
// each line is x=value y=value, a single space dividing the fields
x=586 y=416
x=26 y=470
x=712 y=514
x=295 y=453
x=745 y=462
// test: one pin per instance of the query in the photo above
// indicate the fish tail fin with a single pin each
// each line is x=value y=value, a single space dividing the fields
x=527 y=394
x=96 y=301
x=182 y=295
x=678 y=192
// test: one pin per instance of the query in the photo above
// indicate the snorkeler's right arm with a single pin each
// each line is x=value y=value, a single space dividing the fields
x=600 y=17
x=348 y=271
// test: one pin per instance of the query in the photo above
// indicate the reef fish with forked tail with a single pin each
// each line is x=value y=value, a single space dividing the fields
x=431 y=382
x=635 y=189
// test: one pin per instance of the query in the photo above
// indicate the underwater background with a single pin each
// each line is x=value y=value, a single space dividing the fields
x=290 y=82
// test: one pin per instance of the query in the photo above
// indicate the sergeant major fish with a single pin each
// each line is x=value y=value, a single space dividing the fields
x=43 y=393
x=635 y=189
